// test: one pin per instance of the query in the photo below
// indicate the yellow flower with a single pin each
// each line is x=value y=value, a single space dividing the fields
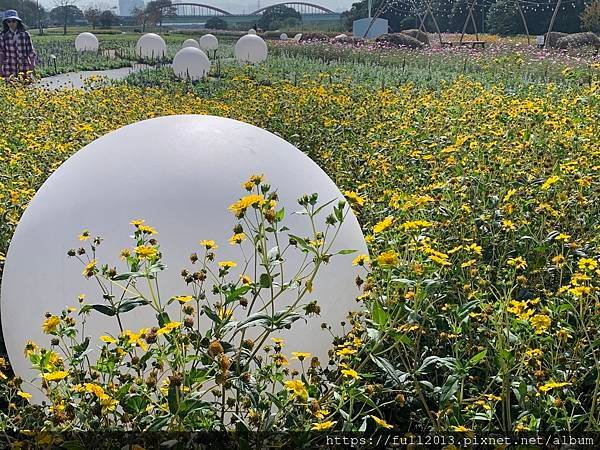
x=254 y=180
x=145 y=251
x=168 y=328
x=239 y=207
x=137 y=223
x=388 y=258
x=540 y=323
x=24 y=395
x=146 y=229
x=108 y=339
x=208 y=244
x=360 y=260
x=227 y=264
x=549 y=182
x=237 y=238
x=383 y=225
x=84 y=236
x=518 y=262
x=279 y=359
x=354 y=198
x=346 y=351
x=50 y=324
x=350 y=373
x=460 y=429
x=553 y=385
x=382 y=423
x=320 y=426
x=301 y=356
x=563 y=237
x=415 y=225
x=587 y=264
x=183 y=299
x=55 y=376
x=245 y=279
x=279 y=342
x=89 y=269
x=297 y=388
x=93 y=388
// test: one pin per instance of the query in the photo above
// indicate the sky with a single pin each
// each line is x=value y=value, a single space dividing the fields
x=233 y=6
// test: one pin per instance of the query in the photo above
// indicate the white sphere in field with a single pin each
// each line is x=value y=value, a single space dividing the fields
x=251 y=31
x=192 y=63
x=86 y=42
x=190 y=43
x=180 y=174
x=209 y=42
x=151 y=46
x=250 y=49
x=283 y=37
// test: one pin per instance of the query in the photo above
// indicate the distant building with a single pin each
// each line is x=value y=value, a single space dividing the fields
x=126 y=7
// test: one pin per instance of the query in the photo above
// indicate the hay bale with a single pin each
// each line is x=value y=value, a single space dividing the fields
x=578 y=40
x=400 y=40
x=418 y=35
x=321 y=37
x=552 y=37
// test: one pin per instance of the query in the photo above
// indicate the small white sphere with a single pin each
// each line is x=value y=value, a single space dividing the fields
x=188 y=170
x=86 y=42
x=151 y=46
x=283 y=37
x=209 y=42
x=190 y=43
x=298 y=37
x=341 y=36
x=192 y=63
x=251 y=31
x=250 y=49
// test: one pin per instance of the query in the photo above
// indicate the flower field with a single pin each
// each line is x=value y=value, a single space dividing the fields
x=478 y=308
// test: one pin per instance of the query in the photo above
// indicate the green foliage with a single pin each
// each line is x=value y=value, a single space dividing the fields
x=504 y=19
x=278 y=17
x=590 y=18
x=216 y=23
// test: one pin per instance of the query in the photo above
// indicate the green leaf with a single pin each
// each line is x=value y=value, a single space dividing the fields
x=320 y=208
x=265 y=281
x=346 y=252
x=80 y=348
x=128 y=305
x=173 y=399
x=254 y=320
x=126 y=276
x=106 y=310
x=449 y=388
x=380 y=317
x=478 y=357
x=134 y=404
x=163 y=319
x=396 y=376
x=279 y=215
x=237 y=293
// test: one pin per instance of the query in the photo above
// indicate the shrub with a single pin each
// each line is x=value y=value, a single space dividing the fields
x=553 y=37
x=216 y=23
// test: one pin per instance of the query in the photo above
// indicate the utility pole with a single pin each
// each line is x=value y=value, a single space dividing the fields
x=370 y=6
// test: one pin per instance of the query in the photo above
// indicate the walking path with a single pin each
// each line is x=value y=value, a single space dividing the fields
x=76 y=79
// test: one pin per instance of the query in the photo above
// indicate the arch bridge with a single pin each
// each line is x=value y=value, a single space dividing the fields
x=189 y=9
x=301 y=7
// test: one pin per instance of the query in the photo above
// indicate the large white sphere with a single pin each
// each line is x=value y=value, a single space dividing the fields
x=191 y=63
x=283 y=37
x=251 y=31
x=190 y=43
x=209 y=42
x=151 y=46
x=86 y=42
x=250 y=49
x=180 y=174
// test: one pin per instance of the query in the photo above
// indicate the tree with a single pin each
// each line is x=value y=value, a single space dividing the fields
x=273 y=18
x=141 y=17
x=92 y=15
x=504 y=19
x=107 y=19
x=66 y=13
x=158 y=9
x=216 y=23
x=590 y=18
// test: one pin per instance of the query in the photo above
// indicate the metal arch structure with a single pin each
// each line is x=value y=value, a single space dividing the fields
x=199 y=7
x=301 y=7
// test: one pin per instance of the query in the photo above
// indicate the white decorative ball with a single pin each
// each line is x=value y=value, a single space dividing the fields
x=250 y=49
x=86 y=42
x=251 y=31
x=151 y=46
x=190 y=43
x=209 y=42
x=283 y=37
x=192 y=63
x=180 y=174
